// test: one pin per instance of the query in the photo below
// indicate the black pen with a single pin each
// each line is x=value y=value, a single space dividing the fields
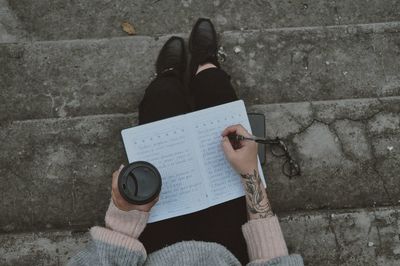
x=237 y=137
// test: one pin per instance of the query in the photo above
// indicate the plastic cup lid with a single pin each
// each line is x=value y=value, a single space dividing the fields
x=139 y=182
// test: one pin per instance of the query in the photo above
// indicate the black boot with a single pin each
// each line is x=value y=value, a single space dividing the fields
x=203 y=45
x=172 y=58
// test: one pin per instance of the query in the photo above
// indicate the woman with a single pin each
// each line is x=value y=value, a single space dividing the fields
x=224 y=226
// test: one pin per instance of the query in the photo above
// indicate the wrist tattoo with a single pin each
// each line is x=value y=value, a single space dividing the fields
x=257 y=201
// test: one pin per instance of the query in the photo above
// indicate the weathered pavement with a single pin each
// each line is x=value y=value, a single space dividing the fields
x=86 y=77
x=348 y=152
x=326 y=74
x=354 y=237
x=91 y=19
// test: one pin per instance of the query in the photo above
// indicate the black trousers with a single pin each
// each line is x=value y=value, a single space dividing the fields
x=165 y=97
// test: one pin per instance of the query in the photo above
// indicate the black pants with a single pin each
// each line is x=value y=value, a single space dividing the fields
x=222 y=223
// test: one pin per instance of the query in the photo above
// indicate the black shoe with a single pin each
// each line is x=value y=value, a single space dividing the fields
x=203 y=45
x=172 y=58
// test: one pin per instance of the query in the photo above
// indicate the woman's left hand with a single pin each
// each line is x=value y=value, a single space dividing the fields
x=121 y=203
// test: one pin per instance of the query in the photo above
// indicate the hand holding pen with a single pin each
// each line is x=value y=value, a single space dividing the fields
x=242 y=155
x=290 y=167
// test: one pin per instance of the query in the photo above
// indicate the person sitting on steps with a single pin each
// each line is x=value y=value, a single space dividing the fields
x=215 y=236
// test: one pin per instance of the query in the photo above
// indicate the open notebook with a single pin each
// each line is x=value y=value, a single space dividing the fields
x=187 y=151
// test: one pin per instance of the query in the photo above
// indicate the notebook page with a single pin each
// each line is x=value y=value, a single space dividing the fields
x=167 y=146
x=223 y=182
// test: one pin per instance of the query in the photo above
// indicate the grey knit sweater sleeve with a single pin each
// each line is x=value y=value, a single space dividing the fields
x=183 y=253
x=101 y=253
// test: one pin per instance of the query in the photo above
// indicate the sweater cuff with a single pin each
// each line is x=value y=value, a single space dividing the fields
x=118 y=240
x=264 y=239
x=131 y=223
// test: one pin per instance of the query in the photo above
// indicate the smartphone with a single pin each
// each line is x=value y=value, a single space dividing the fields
x=257 y=124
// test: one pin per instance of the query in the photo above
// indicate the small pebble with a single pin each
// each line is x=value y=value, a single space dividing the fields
x=370 y=244
x=332 y=215
x=237 y=49
x=345 y=73
x=327 y=63
x=390 y=148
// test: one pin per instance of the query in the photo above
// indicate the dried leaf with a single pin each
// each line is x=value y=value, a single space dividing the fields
x=128 y=28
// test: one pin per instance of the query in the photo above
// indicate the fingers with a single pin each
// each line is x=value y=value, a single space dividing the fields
x=151 y=204
x=155 y=201
x=116 y=199
x=238 y=129
x=114 y=184
x=116 y=173
x=227 y=146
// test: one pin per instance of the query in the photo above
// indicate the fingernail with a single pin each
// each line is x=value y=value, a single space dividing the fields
x=121 y=166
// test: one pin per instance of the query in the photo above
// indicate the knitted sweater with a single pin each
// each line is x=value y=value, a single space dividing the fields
x=118 y=244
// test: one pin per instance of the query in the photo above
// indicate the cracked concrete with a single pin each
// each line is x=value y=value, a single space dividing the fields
x=87 y=77
x=353 y=139
x=71 y=158
x=352 y=237
x=338 y=161
x=46 y=167
x=318 y=143
x=325 y=74
x=10 y=27
x=98 y=19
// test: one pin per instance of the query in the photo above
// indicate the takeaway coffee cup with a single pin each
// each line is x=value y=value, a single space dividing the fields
x=139 y=182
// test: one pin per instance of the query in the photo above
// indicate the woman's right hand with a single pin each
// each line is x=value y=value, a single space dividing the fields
x=243 y=159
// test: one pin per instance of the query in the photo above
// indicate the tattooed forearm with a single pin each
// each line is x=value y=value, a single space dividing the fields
x=257 y=202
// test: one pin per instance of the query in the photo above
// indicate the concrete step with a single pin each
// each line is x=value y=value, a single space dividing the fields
x=56 y=173
x=353 y=237
x=61 y=20
x=10 y=27
x=88 y=77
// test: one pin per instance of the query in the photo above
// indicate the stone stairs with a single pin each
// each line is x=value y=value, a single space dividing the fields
x=64 y=20
x=355 y=237
x=326 y=74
